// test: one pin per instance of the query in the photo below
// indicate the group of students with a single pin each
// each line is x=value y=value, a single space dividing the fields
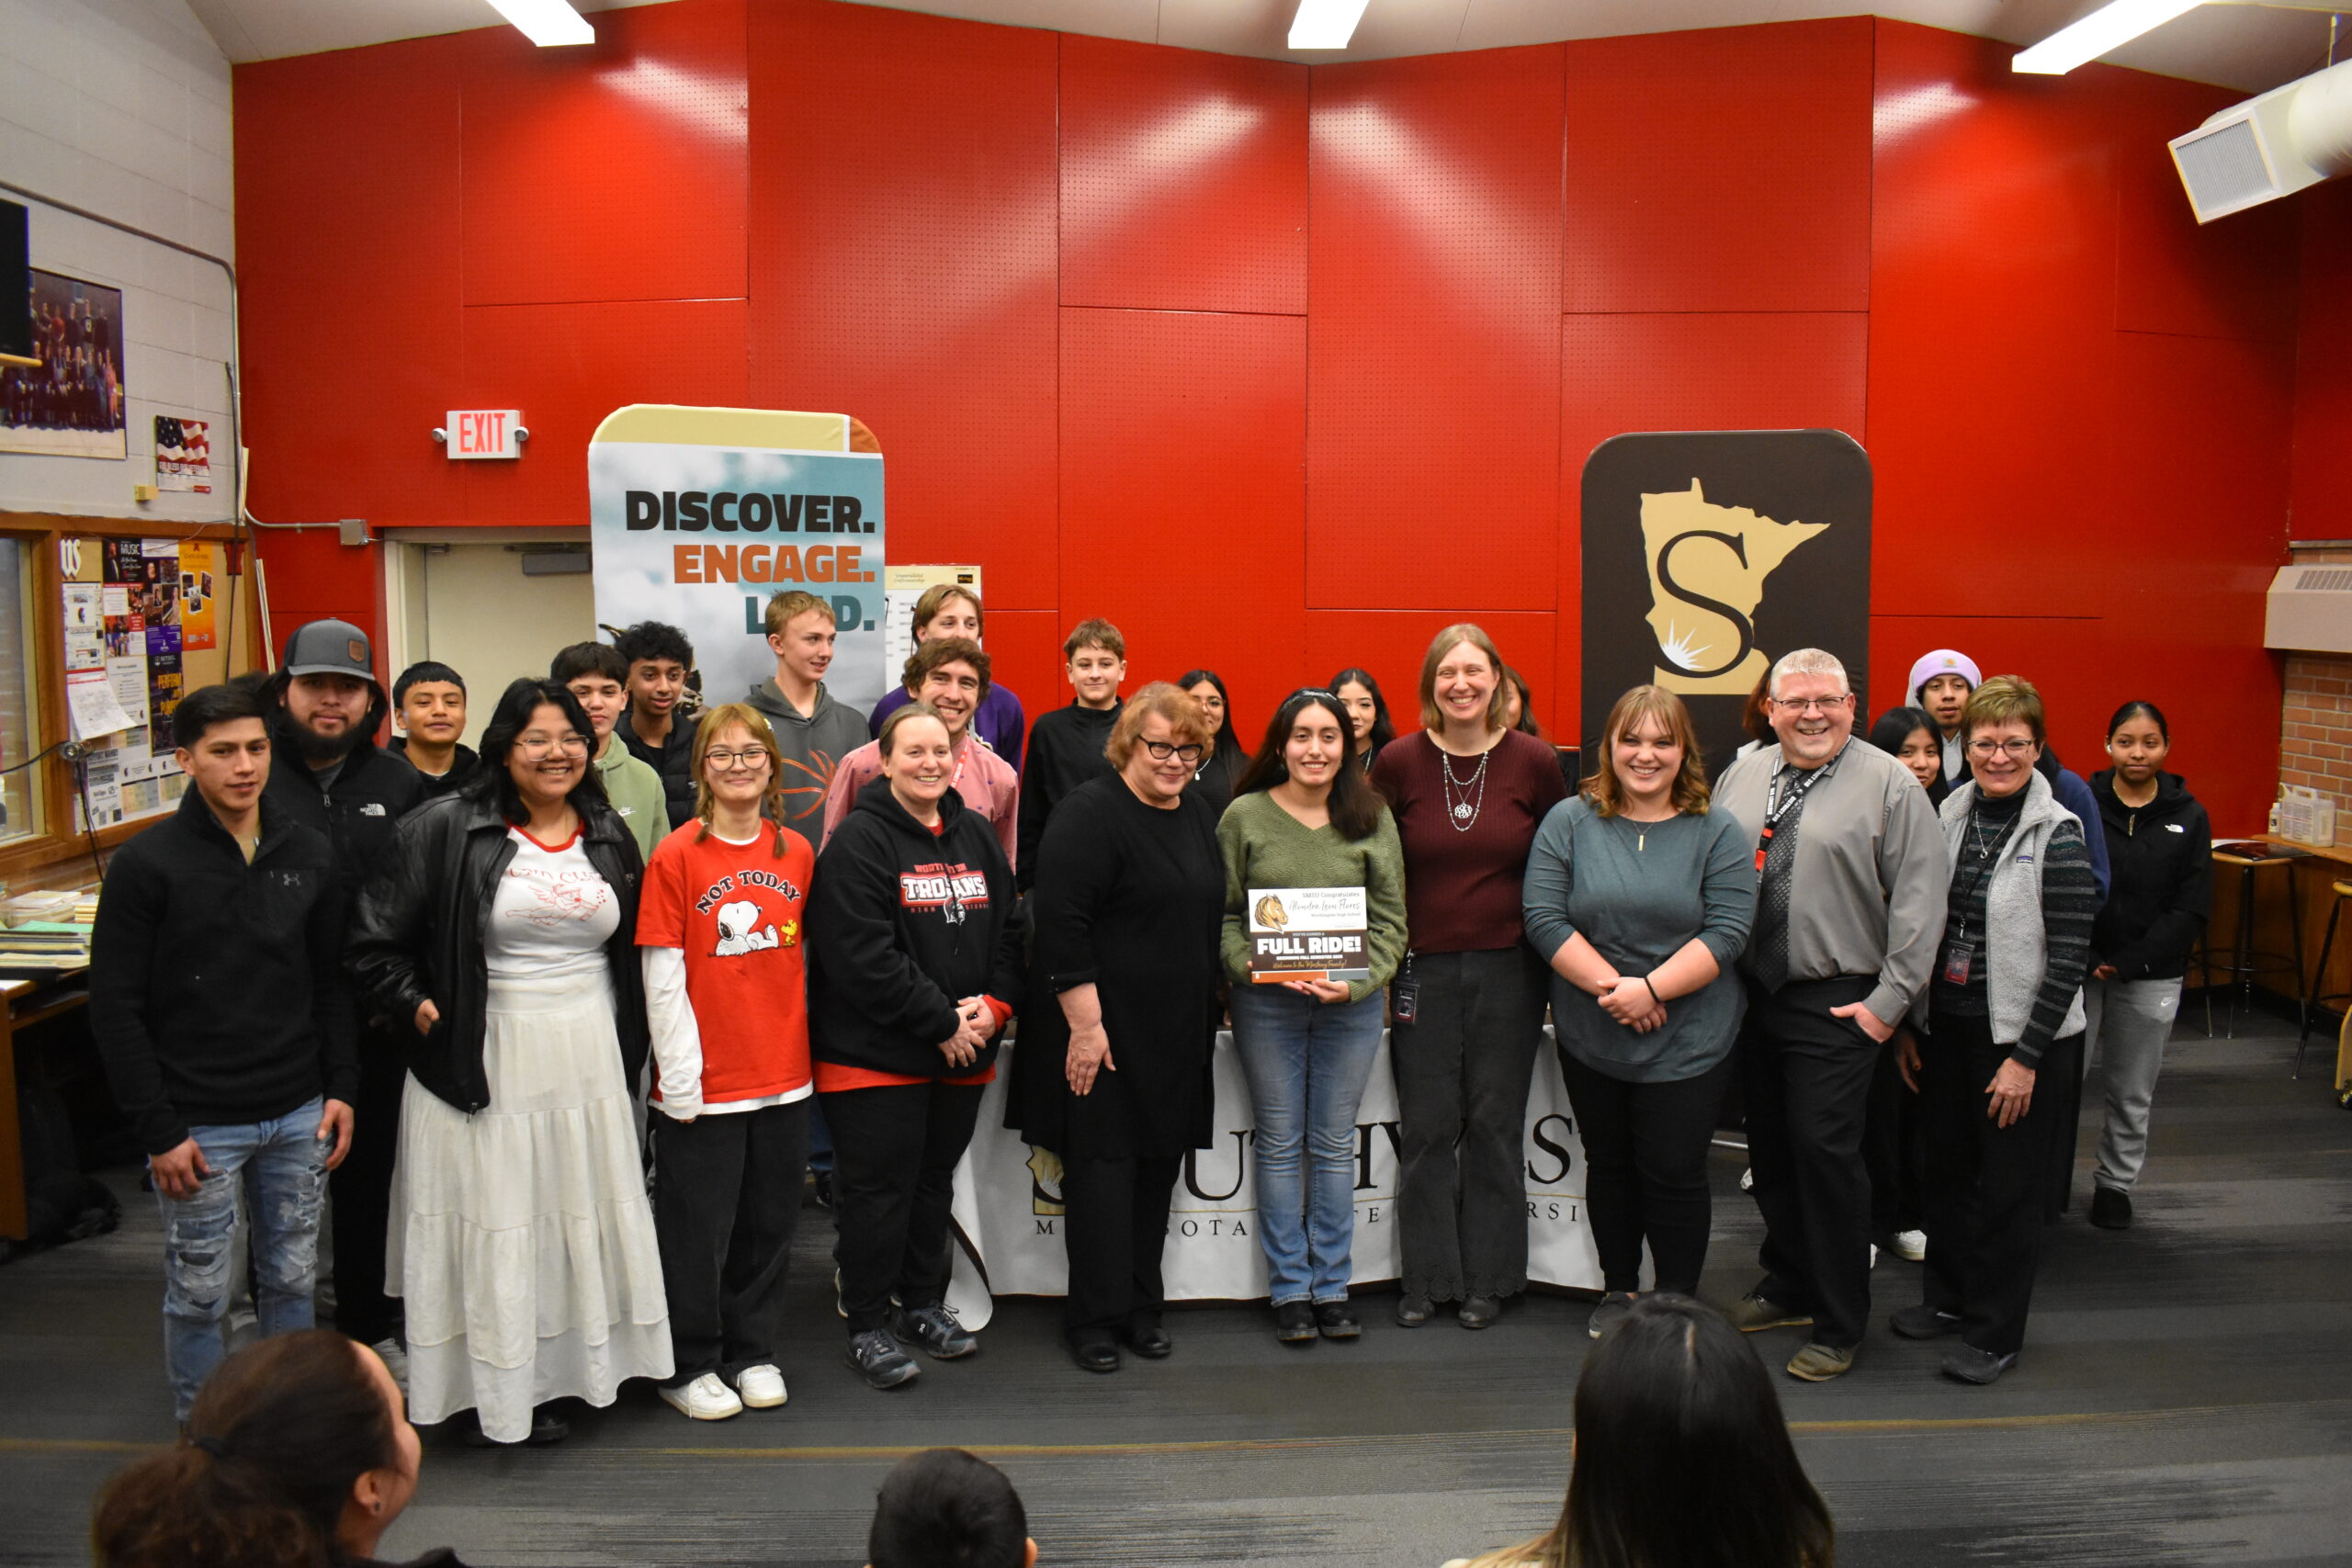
x=434 y=981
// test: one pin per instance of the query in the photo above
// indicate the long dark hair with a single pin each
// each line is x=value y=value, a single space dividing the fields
x=276 y=1440
x=1384 y=729
x=1355 y=809
x=522 y=698
x=1682 y=1457
x=1896 y=726
x=1228 y=742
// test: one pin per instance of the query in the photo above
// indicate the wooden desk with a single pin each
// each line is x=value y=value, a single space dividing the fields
x=28 y=1002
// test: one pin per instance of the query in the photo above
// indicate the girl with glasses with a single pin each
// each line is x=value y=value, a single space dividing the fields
x=503 y=930
x=722 y=931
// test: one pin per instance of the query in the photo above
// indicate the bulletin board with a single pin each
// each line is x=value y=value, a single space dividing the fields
x=139 y=617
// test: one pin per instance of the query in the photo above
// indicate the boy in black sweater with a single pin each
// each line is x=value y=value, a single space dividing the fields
x=219 y=1006
x=1066 y=744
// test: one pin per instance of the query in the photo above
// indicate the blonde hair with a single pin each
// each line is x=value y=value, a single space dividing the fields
x=1607 y=792
x=1169 y=702
x=2004 y=699
x=754 y=724
x=793 y=602
x=1444 y=643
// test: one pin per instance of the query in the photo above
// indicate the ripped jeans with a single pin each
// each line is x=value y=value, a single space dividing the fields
x=282 y=1165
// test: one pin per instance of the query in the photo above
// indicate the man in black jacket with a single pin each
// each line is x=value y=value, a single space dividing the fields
x=219 y=1006
x=656 y=727
x=328 y=773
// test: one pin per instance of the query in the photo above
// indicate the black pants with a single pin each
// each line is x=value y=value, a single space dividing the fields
x=1462 y=1068
x=893 y=1180
x=1895 y=1146
x=361 y=1189
x=1808 y=1080
x=725 y=1197
x=1115 y=1227
x=1645 y=1170
x=1988 y=1186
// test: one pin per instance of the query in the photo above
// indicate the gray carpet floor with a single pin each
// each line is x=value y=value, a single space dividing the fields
x=2184 y=1397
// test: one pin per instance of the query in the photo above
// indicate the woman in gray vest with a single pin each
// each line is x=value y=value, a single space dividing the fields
x=2003 y=1012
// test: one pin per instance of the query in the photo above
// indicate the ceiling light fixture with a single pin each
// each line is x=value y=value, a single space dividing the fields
x=1325 y=24
x=2107 y=28
x=547 y=22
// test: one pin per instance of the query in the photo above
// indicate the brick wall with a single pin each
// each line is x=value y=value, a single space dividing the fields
x=2316 y=726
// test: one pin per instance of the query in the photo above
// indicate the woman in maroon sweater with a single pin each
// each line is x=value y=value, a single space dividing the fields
x=1468 y=793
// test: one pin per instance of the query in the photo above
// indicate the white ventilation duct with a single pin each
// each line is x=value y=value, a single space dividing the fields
x=2309 y=609
x=2269 y=147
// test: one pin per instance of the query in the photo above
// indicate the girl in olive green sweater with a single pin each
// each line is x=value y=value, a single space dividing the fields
x=1305 y=816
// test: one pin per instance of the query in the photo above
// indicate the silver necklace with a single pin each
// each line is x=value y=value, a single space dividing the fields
x=1464 y=813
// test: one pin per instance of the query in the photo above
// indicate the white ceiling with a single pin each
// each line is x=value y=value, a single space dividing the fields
x=2247 y=46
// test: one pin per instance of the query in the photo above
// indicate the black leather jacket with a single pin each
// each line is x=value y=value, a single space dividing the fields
x=416 y=933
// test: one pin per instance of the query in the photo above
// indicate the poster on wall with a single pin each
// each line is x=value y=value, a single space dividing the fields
x=182 y=454
x=71 y=404
x=200 y=576
x=901 y=586
x=1708 y=555
x=124 y=635
x=697 y=516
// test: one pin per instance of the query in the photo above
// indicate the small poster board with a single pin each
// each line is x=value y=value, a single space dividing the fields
x=1307 y=933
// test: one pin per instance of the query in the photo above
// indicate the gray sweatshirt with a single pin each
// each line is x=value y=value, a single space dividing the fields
x=1867 y=894
x=812 y=747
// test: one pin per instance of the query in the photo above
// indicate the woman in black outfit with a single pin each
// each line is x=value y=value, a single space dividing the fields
x=914 y=965
x=1221 y=769
x=1367 y=712
x=1113 y=1072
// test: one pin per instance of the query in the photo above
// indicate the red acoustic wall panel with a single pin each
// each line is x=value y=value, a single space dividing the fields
x=567 y=366
x=1183 y=505
x=1433 y=365
x=1184 y=179
x=902 y=210
x=2322 y=461
x=1720 y=170
x=1392 y=644
x=1025 y=653
x=608 y=171
x=1993 y=288
x=1748 y=372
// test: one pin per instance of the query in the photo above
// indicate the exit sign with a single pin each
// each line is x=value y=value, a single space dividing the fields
x=485 y=433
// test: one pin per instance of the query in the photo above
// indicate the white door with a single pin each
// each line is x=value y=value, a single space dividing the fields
x=469 y=604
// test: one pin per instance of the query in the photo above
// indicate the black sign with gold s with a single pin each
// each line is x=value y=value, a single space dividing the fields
x=1709 y=553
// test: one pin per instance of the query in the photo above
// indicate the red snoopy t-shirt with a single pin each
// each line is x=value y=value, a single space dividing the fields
x=735 y=911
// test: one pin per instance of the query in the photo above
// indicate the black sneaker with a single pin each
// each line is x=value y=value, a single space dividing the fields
x=1615 y=1307
x=1966 y=1363
x=1923 y=1322
x=1413 y=1311
x=1479 y=1311
x=936 y=1329
x=1336 y=1320
x=821 y=1188
x=877 y=1358
x=2110 y=1208
x=1294 y=1324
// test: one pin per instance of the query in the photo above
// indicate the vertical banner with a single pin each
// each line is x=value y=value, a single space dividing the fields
x=697 y=516
x=197 y=586
x=1708 y=555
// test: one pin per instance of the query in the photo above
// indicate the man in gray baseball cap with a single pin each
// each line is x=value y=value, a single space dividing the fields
x=326 y=770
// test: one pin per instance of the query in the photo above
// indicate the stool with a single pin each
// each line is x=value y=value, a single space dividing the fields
x=2316 y=1001
x=2244 y=963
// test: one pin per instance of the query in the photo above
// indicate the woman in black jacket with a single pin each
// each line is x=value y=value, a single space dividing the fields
x=2160 y=859
x=501 y=935
x=914 y=965
x=1217 y=773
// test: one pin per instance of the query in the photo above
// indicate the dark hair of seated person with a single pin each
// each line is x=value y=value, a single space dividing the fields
x=297 y=1455
x=1683 y=1458
x=947 y=1508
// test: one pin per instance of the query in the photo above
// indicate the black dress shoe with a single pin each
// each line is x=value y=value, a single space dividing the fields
x=1149 y=1340
x=2110 y=1208
x=1294 y=1324
x=1095 y=1355
x=1480 y=1311
x=1336 y=1320
x=1413 y=1311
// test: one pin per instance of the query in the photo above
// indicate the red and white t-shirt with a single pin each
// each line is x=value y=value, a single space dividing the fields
x=726 y=970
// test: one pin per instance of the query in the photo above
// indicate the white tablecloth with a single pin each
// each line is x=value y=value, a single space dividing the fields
x=1008 y=1198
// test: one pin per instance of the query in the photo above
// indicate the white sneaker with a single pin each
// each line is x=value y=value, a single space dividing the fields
x=705 y=1399
x=1747 y=1179
x=1911 y=1245
x=394 y=1355
x=761 y=1386
x=1873 y=1255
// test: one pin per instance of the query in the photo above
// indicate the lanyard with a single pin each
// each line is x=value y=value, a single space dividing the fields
x=1776 y=806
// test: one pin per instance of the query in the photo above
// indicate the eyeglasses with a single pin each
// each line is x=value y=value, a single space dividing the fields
x=752 y=759
x=1803 y=706
x=534 y=748
x=1988 y=749
x=1162 y=750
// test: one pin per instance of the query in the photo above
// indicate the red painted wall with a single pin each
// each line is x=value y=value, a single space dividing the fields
x=1281 y=369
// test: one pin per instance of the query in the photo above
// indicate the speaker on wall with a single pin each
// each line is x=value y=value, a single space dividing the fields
x=15 y=286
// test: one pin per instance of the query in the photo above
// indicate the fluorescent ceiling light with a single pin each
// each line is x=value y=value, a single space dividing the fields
x=547 y=22
x=1325 y=24
x=2109 y=28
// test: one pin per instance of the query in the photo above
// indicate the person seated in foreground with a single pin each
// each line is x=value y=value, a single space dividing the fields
x=1681 y=1457
x=297 y=1453
x=946 y=1508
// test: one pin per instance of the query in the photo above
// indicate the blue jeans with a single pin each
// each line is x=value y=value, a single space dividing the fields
x=282 y=1165
x=1307 y=1062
